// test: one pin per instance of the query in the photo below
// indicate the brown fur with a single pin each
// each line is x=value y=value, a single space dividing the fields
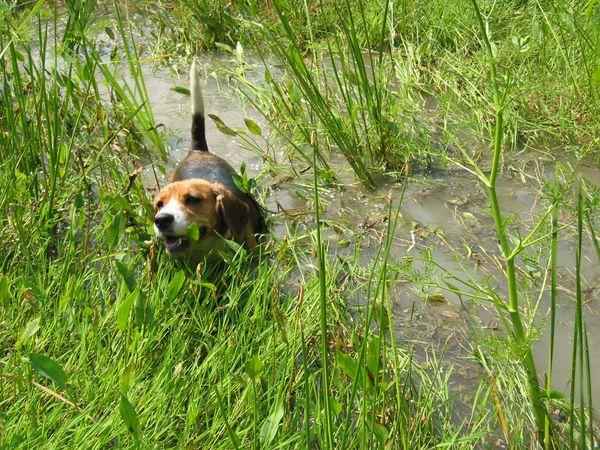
x=218 y=211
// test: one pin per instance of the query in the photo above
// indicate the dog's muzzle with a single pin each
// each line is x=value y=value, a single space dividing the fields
x=163 y=221
x=173 y=244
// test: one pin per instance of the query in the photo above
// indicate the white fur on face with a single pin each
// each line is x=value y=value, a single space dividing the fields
x=180 y=222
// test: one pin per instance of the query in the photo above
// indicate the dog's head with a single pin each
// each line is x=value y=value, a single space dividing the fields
x=212 y=207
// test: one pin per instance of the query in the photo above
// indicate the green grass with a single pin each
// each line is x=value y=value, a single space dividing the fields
x=106 y=342
x=358 y=74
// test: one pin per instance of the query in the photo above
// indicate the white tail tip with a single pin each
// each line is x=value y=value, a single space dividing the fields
x=196 y=91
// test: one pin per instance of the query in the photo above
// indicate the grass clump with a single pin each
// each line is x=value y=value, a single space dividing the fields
x=346 y=95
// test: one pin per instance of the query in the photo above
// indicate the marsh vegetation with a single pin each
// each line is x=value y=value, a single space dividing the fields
x=432 y=275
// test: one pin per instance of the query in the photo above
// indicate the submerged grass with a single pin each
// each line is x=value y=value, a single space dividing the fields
x=108 y=343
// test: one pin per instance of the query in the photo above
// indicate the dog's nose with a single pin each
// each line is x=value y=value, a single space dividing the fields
x=163 y=221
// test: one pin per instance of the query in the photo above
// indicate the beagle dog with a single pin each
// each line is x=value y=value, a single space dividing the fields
x=202 y=205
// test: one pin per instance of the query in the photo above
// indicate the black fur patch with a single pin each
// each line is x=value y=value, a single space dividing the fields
x=198 y=133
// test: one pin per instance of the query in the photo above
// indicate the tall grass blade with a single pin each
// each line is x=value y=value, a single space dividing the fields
x=553 y=285
x=323 y=300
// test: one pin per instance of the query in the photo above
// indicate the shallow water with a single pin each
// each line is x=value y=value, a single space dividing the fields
x=444 y=212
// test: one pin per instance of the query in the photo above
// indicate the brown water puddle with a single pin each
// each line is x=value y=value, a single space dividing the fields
x=444 y=212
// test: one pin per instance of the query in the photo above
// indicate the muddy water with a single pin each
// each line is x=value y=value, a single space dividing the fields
x=444 y=213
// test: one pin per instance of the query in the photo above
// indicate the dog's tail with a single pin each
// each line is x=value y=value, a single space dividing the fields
x=198 y=131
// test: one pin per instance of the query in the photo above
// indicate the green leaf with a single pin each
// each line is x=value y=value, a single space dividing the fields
x=494 y=49
x=351 y=77
x=79 y=202
x=238 y=181
x=221 y=126
x=295 y=59
x=233 y=246
x=115 y=230
x=381 y=316
x=193 y=232
x=181 y=90
x=148 y=315
x=538 y=32
x=63 y=156
x=243 y=183
x=336 y=406
x=294 y=94
x=143 y=312
x=175 y=285
x=373 y=355
x=29 y=330
x=4 y=292
x=129 y=415
x=381 y=432
x=119 y=202
x=349 y=366
x=125 y=378
x=269 y=428
x=34 y=289
x=254 y=368
x=125 y=310
x=140 y=310
x=568 y=22
x=109 y=32
x=552 y=394
x=224 y=47
x=590 y=8
x=47 y=368
x=127 y=277
x=253 y=127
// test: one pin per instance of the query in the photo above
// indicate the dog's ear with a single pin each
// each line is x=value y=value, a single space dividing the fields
x=234 y=212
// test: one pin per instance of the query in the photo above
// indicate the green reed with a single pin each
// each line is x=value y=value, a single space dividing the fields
x=513 y=308
x=580 y=367
x=345 y=92
x=544 y=428
x=553 y=285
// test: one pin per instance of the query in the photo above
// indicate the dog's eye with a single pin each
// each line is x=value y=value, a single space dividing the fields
x=191 y=200
x=159 y=204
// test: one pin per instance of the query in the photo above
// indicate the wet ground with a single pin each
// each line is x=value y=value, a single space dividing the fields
x=444 y=212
